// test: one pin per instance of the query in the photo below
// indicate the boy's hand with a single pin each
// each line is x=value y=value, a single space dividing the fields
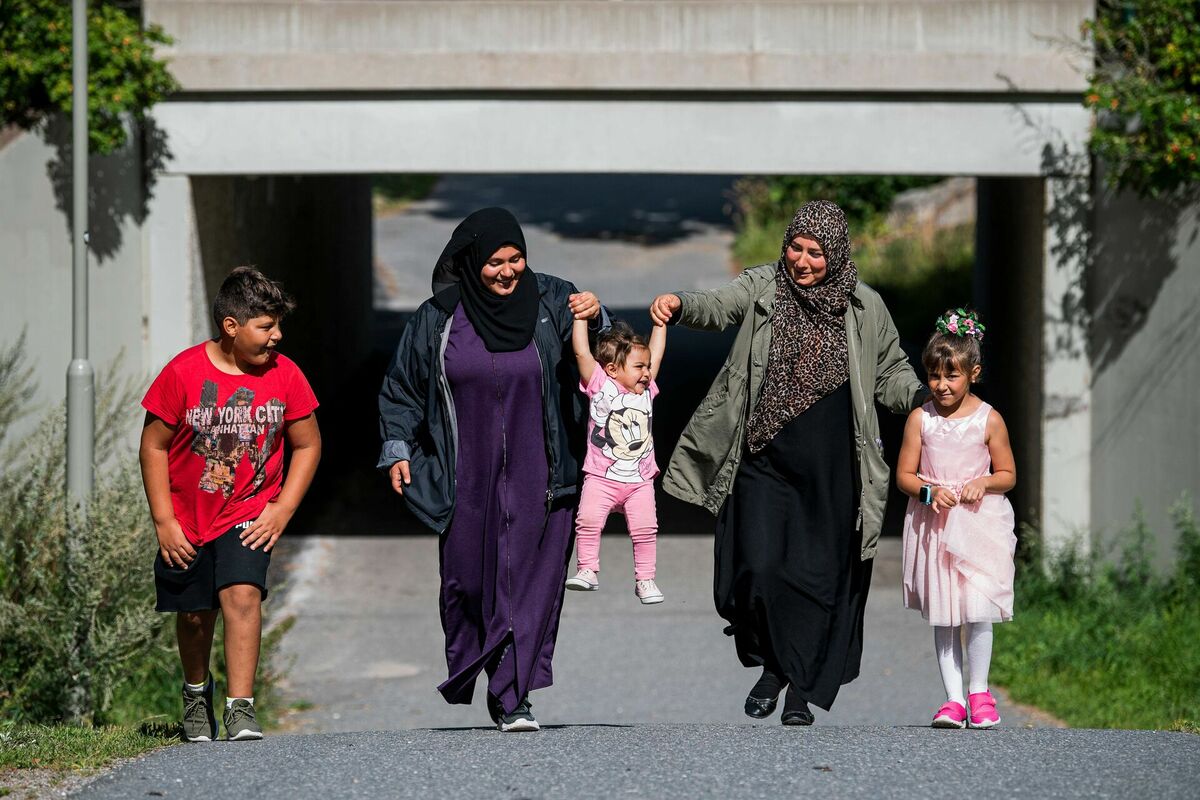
x=173 y=546
x=400 y=476
x=664 y=307
x=974 y=490
x=584 y=305
x=267 y=529
x=943 y=499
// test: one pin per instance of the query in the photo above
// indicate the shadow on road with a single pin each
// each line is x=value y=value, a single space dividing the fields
x=643 y=209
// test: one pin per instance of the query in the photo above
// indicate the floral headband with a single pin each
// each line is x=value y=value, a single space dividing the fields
x=960 y=322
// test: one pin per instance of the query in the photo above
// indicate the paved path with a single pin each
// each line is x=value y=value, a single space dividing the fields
x=625 y=237
x=673 y=761
x=367 y=645
x=646 y=703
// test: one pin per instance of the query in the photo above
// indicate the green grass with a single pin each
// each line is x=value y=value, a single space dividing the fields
x=63 y=747
x=1100 y=644
x=391 y=193
x=1098 y=662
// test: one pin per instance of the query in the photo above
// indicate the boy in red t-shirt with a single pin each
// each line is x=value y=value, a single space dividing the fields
x=212 y=463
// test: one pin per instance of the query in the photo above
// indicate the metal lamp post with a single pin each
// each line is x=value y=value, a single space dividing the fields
x=81 y=400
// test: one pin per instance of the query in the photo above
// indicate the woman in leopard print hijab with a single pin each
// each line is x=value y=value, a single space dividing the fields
x=808 y=358
x=785 y=450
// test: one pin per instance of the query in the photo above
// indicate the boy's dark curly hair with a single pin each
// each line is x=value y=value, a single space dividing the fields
x=246 y=293
x=614 y=345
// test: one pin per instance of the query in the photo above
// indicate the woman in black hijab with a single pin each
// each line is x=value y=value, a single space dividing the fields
x=481 y=425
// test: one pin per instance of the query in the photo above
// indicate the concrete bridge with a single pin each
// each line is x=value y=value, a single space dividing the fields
x=289 y=105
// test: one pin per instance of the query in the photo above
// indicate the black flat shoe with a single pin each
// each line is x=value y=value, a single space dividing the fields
x=760 y=703
x=759 y=707
x=795 y=710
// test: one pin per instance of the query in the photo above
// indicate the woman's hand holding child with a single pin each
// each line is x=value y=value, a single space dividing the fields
x=664 y=307
x=584 y=305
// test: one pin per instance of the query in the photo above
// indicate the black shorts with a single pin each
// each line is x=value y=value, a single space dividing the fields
x=217 y=564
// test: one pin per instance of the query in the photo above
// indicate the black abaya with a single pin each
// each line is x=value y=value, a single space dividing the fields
x=788 y=575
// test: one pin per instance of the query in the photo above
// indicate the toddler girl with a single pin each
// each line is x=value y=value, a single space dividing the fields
x=619 y=467
x=958 y=532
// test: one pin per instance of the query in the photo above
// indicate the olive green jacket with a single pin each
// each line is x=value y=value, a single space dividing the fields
x=704 y=463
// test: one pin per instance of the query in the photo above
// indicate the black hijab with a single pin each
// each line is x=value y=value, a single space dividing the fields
x=504 y=322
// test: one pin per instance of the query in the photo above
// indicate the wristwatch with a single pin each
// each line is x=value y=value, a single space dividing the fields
x=926 y=495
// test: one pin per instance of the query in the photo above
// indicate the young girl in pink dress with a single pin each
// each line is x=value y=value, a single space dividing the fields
x=956 y=464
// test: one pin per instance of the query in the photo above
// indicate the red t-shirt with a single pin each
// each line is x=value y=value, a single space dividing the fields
x=226 y=459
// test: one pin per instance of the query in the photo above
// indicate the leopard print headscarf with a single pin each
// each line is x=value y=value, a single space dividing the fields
x=808 y=358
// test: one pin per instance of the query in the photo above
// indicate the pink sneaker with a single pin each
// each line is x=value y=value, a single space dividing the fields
x=950 y=715
x=983 y=710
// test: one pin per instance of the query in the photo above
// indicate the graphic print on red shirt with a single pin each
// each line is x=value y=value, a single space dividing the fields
x=225 y=461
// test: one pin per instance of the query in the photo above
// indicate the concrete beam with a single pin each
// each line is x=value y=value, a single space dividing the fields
x=812 y=45
x=632 y=135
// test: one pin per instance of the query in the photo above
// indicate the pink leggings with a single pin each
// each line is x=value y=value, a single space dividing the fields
x=602 y=496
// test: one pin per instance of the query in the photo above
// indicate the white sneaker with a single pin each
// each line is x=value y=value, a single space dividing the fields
x=647 y=592
x=585 y=580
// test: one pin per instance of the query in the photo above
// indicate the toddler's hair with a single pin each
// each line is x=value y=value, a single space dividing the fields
x=614 y=345
x=246 y=293
x=955 y=343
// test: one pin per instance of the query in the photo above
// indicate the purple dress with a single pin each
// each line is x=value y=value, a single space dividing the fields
x=504 y=558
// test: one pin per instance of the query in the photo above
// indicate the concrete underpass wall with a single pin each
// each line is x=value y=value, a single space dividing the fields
x=35 y=260
x=1144 y=292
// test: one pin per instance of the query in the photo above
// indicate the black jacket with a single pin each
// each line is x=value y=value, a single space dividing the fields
x=416 y=408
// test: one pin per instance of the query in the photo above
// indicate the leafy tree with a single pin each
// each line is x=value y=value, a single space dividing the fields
x=860 y=196
x=124 y=77
x=1145 y=92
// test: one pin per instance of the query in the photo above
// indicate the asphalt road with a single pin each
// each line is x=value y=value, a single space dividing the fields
x=646 y=703
x=625 y=237
x=366 y=649
x=673 y=761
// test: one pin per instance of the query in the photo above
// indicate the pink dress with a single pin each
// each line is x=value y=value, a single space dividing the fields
x=958 y=564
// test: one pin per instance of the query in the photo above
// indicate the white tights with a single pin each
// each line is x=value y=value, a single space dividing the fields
x=947 y=643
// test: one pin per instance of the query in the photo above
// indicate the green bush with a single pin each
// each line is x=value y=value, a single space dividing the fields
x=1106 y=642
x=124 y=77
x=79 y=638
x=395 y=191
x=919 y=275
x=1145 y=92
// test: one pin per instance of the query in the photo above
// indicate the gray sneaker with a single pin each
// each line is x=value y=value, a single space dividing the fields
x=199 y=721
x=240 y=722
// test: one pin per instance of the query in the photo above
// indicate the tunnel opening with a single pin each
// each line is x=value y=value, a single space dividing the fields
x=359 y=264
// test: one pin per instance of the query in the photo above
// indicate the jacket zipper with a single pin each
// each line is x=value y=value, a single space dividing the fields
x=448 y=407
x=550 y=460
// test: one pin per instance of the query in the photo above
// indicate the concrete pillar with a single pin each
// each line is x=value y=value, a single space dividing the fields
x=1066 y=369
x=173 y=282
x=1008 y=293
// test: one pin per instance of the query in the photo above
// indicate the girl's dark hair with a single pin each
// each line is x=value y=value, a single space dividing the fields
x=947 y=350
x=246 y=293
x=614 y=345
